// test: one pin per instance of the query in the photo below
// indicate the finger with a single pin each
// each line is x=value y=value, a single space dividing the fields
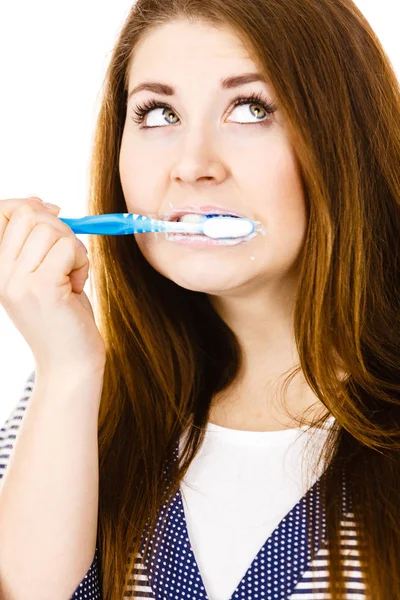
x=25 y=212
x=16 y=230
x=21 y=232
x=9 y=206
x=38 y=244
x=66 y=265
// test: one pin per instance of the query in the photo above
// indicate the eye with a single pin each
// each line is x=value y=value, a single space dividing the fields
x=258 y=110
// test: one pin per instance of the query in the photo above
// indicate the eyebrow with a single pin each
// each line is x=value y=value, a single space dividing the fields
x=226 y=84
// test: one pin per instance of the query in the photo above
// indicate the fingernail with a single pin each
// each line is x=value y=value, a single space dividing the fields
x=51 y=206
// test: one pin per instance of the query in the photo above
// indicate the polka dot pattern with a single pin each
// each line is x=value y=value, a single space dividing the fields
x=174 y=567
x=280 y=563
x=173 y=571
x=281 y=569
x=89 y=588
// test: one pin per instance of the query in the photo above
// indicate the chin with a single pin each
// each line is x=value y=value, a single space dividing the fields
x=209 y=273
x=214 y=289
x=207 y=281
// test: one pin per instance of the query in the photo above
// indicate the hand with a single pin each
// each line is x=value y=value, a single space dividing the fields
x=43 y=271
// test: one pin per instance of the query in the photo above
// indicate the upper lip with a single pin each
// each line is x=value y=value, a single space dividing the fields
x=200 y=210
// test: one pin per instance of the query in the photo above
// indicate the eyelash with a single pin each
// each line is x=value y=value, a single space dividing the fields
x=141 y=110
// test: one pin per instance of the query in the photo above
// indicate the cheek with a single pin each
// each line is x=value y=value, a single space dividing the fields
x=155 y=250
x=144 y=246
x=282 y=202
x=287 y=222
x=280 y=205
x=138 y=183
x=172 y=262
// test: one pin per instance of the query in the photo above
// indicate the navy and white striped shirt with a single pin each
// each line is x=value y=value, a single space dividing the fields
x=282 y=569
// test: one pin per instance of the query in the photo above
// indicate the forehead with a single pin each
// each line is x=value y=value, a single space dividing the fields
x=182 y=47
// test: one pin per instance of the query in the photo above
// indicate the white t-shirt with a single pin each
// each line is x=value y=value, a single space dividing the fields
x=237 y=490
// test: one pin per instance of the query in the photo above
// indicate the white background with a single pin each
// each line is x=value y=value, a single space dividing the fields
x=53 y=58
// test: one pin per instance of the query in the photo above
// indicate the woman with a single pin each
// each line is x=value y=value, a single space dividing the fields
x=279 y=492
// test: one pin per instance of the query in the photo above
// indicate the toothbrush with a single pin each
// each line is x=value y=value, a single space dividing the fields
x=213 y=226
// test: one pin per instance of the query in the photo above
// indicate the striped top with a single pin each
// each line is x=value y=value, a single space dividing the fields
x=282 y=569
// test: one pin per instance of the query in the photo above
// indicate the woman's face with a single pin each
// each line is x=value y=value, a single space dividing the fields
x=204 y=151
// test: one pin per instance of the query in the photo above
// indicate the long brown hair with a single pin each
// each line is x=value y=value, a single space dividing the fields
x=168 y=352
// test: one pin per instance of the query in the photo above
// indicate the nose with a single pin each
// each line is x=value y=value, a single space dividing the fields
x=198 y=160
x=192 y=170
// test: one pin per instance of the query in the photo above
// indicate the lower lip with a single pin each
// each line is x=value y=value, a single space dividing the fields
x=201 y=241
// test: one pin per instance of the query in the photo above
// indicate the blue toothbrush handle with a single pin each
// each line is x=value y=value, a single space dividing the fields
x=113 y=224
x=128 y=223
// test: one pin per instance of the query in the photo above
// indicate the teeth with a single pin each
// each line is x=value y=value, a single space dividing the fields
x=192 y=218
x=196 y=218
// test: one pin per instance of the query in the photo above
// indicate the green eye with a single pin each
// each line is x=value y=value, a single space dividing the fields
x=141 y=111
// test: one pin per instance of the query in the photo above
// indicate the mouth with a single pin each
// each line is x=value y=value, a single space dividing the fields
x=198 y=214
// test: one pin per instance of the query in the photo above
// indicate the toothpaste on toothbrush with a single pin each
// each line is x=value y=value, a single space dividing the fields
x=221 y=226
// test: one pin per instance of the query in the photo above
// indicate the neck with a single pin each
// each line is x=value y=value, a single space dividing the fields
x=260 y=406
x=254 y=401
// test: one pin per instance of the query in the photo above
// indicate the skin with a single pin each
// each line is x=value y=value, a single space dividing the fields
x=205 y=151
